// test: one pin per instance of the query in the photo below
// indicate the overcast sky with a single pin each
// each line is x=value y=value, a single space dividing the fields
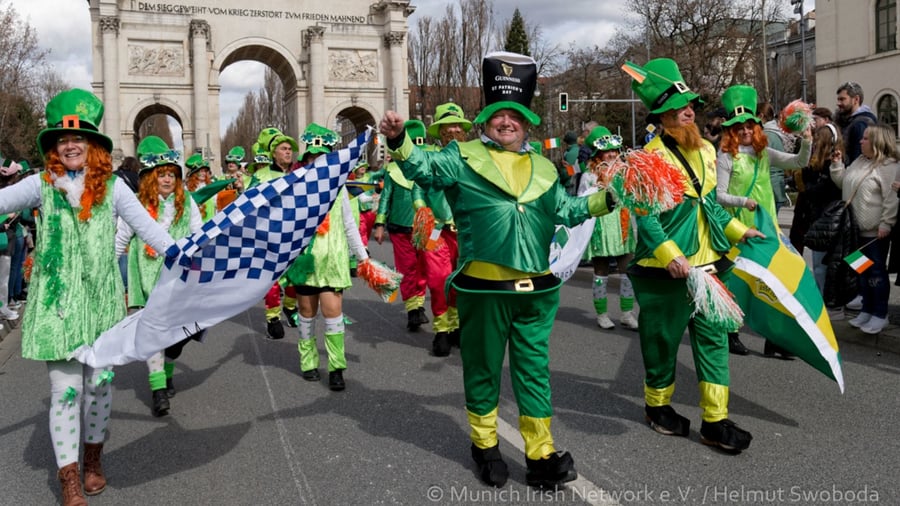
x=64 y=27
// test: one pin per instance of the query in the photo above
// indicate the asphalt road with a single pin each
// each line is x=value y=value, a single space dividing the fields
x=245 y=429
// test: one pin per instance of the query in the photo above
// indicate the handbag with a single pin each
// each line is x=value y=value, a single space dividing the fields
x=827 y=228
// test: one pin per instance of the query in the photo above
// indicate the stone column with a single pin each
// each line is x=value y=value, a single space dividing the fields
x=200 y=63
x=109 y=27
x=315 y=40
x=394 y=42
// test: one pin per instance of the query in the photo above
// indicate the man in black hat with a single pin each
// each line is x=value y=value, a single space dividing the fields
x=506 y=201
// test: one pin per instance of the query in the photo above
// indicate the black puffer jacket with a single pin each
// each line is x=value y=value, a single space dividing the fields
x=841 y=282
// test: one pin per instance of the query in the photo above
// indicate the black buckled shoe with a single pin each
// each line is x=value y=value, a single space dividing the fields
x=291 y=316
x=725 y=435
x=665 y=420
x=310 y=375
x=160 y=405
x=550 y=472
x=274 y=329
x=170 y=388
x=441 y=344
x=336 y=380
x=735 y=345
x=492 y=469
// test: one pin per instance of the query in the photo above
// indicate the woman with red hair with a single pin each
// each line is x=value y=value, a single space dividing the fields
x=742 y=171
x=76 y=290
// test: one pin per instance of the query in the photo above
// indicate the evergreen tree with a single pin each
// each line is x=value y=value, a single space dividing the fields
x=517 y=37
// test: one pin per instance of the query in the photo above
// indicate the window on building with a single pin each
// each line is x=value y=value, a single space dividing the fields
x=885 y=25
x=887 y=111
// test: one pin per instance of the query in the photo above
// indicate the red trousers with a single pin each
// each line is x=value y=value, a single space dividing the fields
x=273 y=296
x=366 y=222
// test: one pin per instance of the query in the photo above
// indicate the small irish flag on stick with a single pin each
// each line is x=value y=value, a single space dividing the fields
x=551 y=143
x=858 y=262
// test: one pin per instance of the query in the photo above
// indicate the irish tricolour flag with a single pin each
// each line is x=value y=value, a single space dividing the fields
x=551 y=143
x=858 y=262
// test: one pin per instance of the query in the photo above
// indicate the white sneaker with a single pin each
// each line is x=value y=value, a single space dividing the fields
x=15 y=305
x=8 y=314
x=860 y=320
x=875 y=325
x=835 y=314
x=604 y=322
x=855 y=304
x=629 y=321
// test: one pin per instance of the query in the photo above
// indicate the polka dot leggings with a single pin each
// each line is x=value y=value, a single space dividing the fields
x=77 y=392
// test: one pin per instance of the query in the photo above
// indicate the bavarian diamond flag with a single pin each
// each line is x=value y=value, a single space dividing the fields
x=231 y=263
x=781 y=301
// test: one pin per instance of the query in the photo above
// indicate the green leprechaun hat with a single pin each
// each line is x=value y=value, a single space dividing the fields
x=260 y=157
x=416 y=131
x=235 y=155
x=448 y=113
x=318 y=140
x=740 y=104
x=153 y=152
x=73 y=111
x=660 y=86
x=601 y=139
x=508 y=82
x=269 y=138
x=195 y=163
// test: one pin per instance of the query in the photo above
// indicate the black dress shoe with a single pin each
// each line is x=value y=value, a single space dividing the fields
x=160 y=405
x=725 y=435
x=492 y=469
x=310 y=375
x=735 y=345
x=413 y=322
x=336 y=380
x=665 y=420
x=170 y=388
x=441 y=344
x=423 y=318
x=291 y=316
x=550 y=472
x=274 y=329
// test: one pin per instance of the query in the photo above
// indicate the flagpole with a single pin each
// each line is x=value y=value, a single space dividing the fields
x=866 y=244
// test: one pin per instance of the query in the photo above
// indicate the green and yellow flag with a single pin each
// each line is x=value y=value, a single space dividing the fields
x=781 y=302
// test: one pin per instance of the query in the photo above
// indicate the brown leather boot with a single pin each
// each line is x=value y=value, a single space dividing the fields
x=71 y=486
x=94 y=481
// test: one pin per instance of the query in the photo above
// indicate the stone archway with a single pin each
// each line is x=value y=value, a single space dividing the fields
x=353 y=51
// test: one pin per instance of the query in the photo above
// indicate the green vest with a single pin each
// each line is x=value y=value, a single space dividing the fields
x=143 y=270
x=750 y=178
x=76 y=291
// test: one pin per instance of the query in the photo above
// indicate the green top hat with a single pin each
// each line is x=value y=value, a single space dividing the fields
x=660 y=86
x=260 y=157
x=269 y=138
x=235 y=155
x=601 y=139
x=73 y=111
x=195 y=163
x=508 y=82
x=740 y=104
x=318 y=139
x=153 y=152
x=448 y=113
x=416 y=131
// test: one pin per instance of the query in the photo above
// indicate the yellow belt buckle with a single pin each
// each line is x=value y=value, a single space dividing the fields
x=524 y=285
x=710 y=268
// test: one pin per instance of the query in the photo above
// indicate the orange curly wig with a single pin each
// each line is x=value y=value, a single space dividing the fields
x=731 y=143
x=98 y=170
x=148 y=193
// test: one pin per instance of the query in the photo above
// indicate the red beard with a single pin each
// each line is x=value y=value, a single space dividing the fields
x=688 y=137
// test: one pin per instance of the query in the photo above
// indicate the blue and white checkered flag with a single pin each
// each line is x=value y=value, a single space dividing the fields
x=231 y=263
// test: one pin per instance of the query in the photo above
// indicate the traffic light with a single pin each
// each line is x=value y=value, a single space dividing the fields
x=563 y=102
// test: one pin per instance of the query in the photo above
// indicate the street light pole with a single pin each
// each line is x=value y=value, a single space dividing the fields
x=798 y=9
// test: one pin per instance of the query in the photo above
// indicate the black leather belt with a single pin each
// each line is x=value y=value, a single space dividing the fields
x=534 y=284
x=720 y=265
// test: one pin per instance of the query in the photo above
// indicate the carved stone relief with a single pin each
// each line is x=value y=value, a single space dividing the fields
x=158 y=60
x=353 y=65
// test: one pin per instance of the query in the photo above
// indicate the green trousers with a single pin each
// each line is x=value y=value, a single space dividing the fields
x=665 y=313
